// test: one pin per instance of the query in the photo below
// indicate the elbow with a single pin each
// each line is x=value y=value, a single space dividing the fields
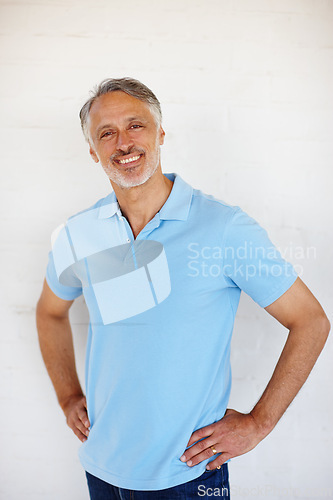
x=326 y=327
x=40 y=311
x=316 y=327
x=322 y=328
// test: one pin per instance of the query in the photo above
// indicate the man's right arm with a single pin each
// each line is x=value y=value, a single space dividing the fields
x=56 y=344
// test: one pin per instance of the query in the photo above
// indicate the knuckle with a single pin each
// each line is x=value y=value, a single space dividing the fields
x=201 y=445
x=79 y=424
x=199 y=433
x=73 y=427
x=82 y=415
x=71 y=418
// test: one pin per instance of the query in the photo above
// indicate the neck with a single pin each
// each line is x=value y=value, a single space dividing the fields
x=141 y=203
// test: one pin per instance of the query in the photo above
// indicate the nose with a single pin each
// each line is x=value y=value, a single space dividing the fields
x=124 y=141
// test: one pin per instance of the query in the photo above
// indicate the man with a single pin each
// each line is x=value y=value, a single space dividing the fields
x=159 y=265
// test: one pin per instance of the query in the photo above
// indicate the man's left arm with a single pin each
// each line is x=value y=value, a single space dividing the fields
x=237 y=433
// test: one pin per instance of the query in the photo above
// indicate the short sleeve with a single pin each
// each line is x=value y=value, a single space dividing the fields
x=60 y=272
x=253 y=263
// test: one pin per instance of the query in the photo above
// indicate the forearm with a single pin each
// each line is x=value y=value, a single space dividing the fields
x=237 y=433
x=56 y=344
x=297 y=359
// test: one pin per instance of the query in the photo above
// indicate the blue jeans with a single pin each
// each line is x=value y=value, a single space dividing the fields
x=211 y=484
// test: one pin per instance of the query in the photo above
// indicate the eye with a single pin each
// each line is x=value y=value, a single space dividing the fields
x=136 y=126
x=106 y=134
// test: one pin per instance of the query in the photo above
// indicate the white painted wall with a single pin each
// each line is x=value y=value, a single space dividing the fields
x=246 y=89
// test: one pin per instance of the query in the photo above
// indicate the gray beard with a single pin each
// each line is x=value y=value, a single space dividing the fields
x=121 y=179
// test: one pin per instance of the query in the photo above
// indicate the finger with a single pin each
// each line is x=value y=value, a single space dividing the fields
x=204 y=455
x=74 y=423
x=201 y=433
x=82 y=428
x=83 y=416
x=220 y=460
x=79 y=434
x=203 y=446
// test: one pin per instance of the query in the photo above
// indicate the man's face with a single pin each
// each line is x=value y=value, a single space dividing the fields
x=125 y=138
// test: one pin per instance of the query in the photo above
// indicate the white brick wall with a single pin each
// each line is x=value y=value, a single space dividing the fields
x=245 y=87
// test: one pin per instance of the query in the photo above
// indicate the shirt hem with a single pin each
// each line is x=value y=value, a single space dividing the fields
x=142 y=484
x=62 y=295
x=277 y=293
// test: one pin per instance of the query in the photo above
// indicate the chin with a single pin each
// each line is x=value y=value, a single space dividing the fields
x=128 y=181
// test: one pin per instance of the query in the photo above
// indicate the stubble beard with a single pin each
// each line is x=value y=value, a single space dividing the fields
x=124 y=178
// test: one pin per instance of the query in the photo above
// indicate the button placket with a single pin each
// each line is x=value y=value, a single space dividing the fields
x=126 y=230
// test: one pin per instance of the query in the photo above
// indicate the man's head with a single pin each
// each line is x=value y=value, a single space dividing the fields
x=128 y=85
x=122 y=124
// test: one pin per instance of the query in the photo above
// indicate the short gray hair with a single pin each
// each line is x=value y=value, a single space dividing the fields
x=128 y=85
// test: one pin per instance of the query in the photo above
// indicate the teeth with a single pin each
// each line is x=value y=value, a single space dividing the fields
x=129 y=160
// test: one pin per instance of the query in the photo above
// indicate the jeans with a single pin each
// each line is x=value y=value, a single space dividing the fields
x=211 y=484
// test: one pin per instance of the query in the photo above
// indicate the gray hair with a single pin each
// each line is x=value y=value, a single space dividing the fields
x=128 y=85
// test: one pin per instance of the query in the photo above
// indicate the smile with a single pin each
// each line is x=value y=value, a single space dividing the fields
x=129 y=160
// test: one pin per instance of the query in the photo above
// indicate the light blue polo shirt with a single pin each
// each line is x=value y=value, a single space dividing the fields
x=162 y=310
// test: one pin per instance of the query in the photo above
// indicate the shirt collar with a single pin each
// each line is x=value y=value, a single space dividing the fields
x=109 y=206
x=176 y=207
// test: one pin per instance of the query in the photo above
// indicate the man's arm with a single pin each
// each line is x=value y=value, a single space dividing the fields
x=56 y=344
x=237 y=433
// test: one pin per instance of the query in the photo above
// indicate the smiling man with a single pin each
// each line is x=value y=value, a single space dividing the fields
x=125 y=138
x=161 y=267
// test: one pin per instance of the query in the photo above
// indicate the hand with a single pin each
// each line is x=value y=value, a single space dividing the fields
x=235 y=434
x=75 y=410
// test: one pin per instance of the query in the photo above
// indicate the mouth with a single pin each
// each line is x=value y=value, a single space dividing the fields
x=129 y=161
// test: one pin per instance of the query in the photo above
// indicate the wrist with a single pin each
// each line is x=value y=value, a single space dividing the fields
x=65 y=401
x=263 y=420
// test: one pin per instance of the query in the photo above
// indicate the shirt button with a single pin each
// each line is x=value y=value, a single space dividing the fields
x=128 y=240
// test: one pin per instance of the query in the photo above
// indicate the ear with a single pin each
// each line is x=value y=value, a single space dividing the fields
x=162 y=135
x=93 y=154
